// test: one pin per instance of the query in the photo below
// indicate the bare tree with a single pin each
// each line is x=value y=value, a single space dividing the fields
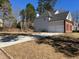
x=75 y=16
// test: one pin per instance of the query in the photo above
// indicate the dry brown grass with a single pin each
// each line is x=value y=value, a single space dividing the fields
x=3 y=55
x=32 y=50
x=74 y=35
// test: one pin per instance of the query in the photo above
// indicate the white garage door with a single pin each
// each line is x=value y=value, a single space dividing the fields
x=57 y=26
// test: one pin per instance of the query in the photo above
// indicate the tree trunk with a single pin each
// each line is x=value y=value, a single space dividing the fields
x=25 y=24
x=21 y=25
x=3 y=21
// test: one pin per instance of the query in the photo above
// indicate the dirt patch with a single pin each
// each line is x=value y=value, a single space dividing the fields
x=31 y=50
x=67 y=45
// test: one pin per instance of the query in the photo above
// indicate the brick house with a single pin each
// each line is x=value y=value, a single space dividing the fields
x=54 y=22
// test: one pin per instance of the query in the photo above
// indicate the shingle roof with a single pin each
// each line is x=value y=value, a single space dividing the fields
x=61 y=16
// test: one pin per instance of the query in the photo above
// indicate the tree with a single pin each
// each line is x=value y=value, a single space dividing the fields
x=27 y=15
x=6 y=9
x=5 y=6
x=30 y=14
x=45 y=5
x=75 y=19
x=40 y=7
x=75 y=16
x=48 y=7
x=13 y=21
x=22 y=14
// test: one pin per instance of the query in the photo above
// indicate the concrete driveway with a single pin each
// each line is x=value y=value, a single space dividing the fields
x=21 y=38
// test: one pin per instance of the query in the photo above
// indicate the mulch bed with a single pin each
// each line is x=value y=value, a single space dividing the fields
x=67 y=45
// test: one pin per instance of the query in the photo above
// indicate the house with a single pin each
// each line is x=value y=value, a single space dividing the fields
x=75 y=26
x=1 y=23
x=54 y=22
x=1 y=20
x=78 y=27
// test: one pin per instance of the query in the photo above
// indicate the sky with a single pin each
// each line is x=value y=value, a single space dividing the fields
x=69 y=5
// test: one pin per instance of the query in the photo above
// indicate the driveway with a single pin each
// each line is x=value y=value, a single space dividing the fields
x=20 y=39
x=8 y=41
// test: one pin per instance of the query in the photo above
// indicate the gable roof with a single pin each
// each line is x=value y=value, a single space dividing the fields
x=55 y=17
x=61 y=16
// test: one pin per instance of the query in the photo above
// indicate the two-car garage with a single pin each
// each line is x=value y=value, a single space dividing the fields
x=56 y=26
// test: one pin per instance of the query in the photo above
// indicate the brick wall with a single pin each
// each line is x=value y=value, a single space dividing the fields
x=68 y=27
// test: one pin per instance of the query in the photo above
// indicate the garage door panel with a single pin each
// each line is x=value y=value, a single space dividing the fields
x=59 y=28
x=56 y=28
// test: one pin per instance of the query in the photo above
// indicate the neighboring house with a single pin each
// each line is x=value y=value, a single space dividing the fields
x=54 y=22
x=1 y=23
x=78 y=27
x=75 y=26
x=1 y=20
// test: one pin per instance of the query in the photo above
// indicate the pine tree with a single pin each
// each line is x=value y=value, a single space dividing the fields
x=46 y=5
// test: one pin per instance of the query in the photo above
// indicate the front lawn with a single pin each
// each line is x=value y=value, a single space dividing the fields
x=73 y=35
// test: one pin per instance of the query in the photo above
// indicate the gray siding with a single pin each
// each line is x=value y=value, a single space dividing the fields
x=41 y=24
x=44 y=24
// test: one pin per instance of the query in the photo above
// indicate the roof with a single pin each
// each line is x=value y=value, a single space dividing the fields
x=55 y=17
x=61 y=16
